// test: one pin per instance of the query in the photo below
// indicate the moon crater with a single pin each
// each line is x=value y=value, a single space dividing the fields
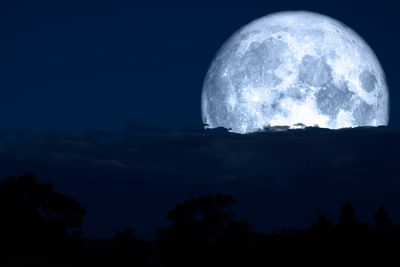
x=294 y=67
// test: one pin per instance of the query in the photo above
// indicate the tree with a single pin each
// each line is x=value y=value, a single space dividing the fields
x=347 y=221
x=35 y=218
x=203 y=218
x=195 y=225
x=323 y=228
x=383 y=224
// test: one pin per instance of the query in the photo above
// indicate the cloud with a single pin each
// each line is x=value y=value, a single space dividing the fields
x=288 y=169
x=290 y=156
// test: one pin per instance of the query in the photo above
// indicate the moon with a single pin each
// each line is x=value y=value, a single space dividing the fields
x=294 y=67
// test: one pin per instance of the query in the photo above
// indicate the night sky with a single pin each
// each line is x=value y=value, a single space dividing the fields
x=90 y=84
x=78 y=65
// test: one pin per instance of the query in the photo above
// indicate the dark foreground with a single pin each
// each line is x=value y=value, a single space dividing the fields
x=40 y=227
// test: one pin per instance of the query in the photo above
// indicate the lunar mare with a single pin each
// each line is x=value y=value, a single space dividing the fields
x=294 y=67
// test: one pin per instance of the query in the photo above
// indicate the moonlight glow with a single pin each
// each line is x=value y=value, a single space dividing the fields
x=295 y=67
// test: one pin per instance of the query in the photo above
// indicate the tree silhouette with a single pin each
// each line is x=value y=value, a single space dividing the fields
x=383 y=224
x=347 y=222
x=237 y=246
x=203 y=232
x=322 y=229
x=195 y=225
x=36 y=219
x=40 y=227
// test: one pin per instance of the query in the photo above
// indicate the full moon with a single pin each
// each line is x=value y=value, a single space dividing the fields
x=294 y=67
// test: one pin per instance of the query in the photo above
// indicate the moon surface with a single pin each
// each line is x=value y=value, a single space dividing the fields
x=294 y=67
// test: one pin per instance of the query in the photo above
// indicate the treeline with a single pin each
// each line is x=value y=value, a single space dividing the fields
x=39 y=227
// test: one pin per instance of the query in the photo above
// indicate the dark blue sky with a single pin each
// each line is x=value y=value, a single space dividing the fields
x=76 y=65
